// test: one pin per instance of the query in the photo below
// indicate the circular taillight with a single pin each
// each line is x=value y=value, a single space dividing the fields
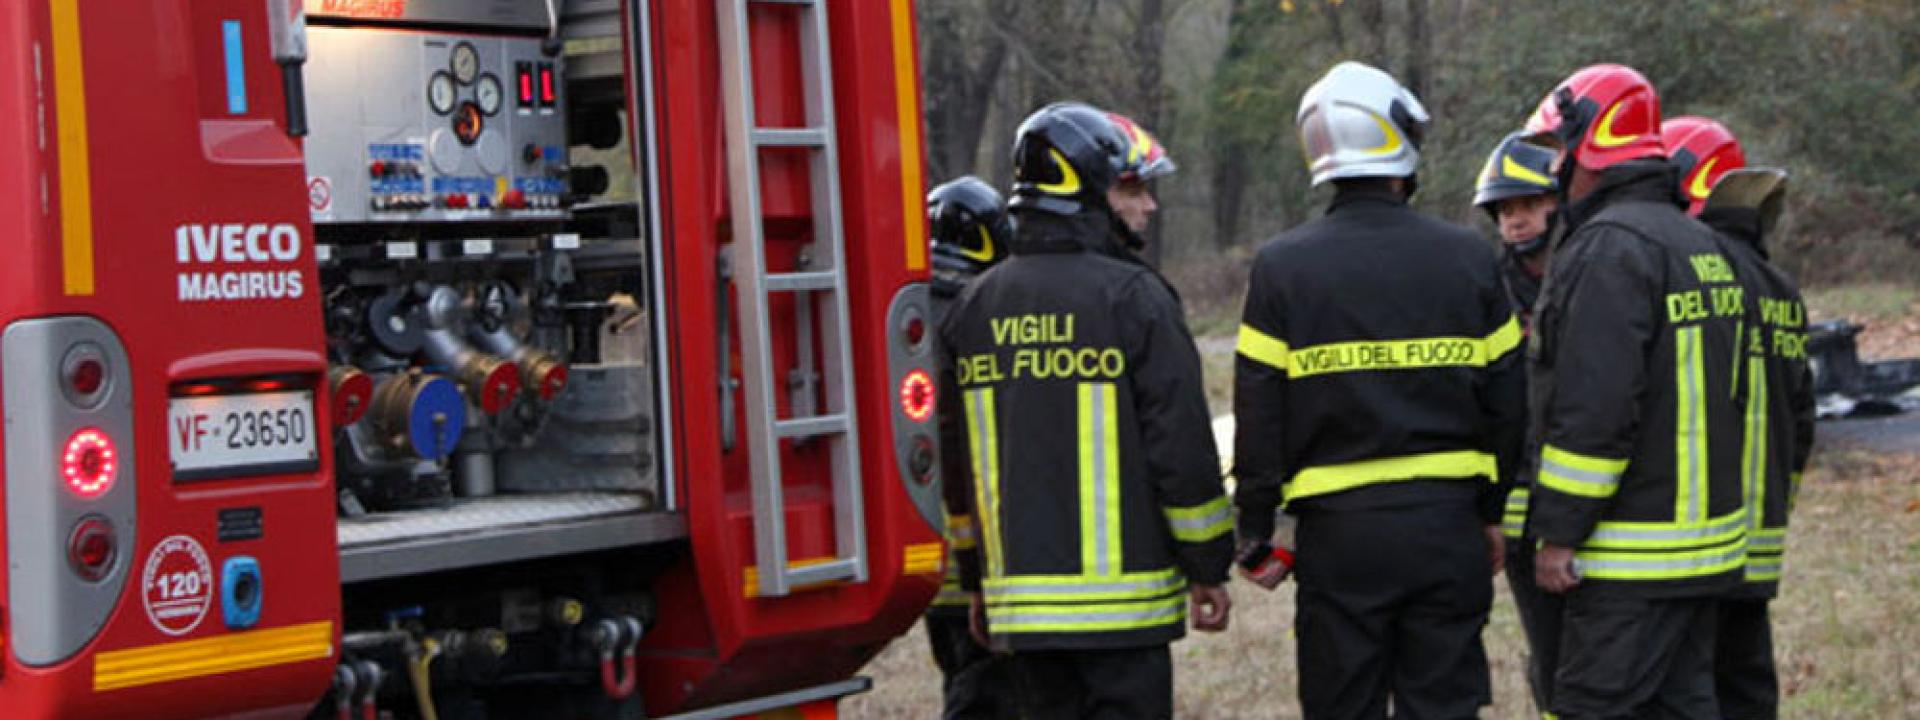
x=87 y=376
x=88 y=464
x=917 y=395
x=90 y=548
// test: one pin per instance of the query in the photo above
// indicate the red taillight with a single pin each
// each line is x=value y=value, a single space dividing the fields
x=916 y=330
x=87 y=376
x=917 y=396
x=88 y=464
x=90 y=548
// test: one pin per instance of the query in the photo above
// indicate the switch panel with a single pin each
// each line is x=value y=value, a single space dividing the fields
x=412 y=126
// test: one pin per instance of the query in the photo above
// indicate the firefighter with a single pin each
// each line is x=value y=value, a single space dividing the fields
x=970 y=234
x=1518 y=192
x=1637 y=410
x=1378 y=394
x=1741 y=206
x=1095 y=483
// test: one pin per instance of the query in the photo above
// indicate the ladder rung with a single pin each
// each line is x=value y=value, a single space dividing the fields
x=823 y=572
x=800 y=281
x=786 y=2
x=790 y=137
x=815 y=426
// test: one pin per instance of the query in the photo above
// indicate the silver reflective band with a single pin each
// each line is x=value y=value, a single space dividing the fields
x=1585 y=477
x=1012 y=617
x=1729 y=524
x=1097 y=410
x=1593 y=565
x=1011 y=589
x=1196 y=524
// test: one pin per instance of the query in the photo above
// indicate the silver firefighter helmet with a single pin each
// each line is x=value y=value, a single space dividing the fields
x=1357 y=121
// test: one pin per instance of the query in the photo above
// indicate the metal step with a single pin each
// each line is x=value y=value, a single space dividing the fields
x=491 y=530
x=817 y=426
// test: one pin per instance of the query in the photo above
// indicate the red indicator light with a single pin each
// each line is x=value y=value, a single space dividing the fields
x=917 y=396
x=916 y=330
x=87 y=376
x=546 y=85
x=88 y=464
x=90 y=548
x=526 y=84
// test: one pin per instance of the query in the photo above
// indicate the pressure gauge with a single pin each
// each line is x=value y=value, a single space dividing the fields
x=467 y=123
x=488 y=94
x=441 y=93
x=466 y=63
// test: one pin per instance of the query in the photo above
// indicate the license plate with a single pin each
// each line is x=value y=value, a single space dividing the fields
x=225 y=435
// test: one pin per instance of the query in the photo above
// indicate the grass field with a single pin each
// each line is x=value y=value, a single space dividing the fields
x=1847 y=627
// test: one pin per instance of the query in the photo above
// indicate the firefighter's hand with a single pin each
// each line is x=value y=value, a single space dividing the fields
x=1210 y=604
x=1496 y=549
x=1553 y=568
x=977 y=618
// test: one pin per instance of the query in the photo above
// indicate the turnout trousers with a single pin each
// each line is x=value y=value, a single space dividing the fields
x=1107 y=684
x=1623 y=656
x=1743 y=669
x=975 y=683
x=1539 y=619
x=1391 y=603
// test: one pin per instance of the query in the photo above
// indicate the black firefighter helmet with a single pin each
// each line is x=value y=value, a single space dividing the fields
x=970 y=231
x=1065 y=158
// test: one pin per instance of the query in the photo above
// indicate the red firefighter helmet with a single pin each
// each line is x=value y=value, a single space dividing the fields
x=1704 y=150
x=1146 y=158
x=1602 y=115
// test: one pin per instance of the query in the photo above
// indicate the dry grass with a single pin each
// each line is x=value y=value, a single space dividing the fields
x=1889 y=313
x=1847 y=627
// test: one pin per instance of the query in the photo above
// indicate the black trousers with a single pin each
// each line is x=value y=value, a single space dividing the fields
x=1110 y=684
x=977 y=684
x=1391 y=604
x=1539 y=619
x=1629 y=657
x=1743 y=670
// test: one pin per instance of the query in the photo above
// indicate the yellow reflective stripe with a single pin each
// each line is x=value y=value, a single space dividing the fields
x=1504 y=340
x=76 y=169
x=1087 y=617
x=1690 y=431
x=1264 y=348
x=1083 y=588
x=214 y=655
x=906 y=97
x=1582 y=475
x=1325 y=479
x=1202 y=522
x=960 y=533
x=1099 y=479
x=983 y=437
x=1671 y=565
x=1395 y=354
x=1753 y=462
x=1667 y=535
x=1513 y=522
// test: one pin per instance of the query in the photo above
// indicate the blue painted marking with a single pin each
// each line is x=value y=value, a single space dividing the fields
x=462 y=184
x=397 y=151
x=236 y=69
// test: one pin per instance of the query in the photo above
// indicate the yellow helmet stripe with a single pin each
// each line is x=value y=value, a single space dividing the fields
x=1069 y=179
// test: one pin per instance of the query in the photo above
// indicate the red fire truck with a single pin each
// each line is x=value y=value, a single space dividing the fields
x=460 y=358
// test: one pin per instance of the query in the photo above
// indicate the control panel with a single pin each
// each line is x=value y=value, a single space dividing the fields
x=411 y=126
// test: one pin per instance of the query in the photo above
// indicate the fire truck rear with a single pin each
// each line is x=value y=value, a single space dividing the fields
x=460 y=358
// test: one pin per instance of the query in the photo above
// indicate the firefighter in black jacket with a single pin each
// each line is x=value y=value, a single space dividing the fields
x=970 y=234
x=1087 y=447
x=1378 y=394
x=1741 y=204
x=1638 y=413
x=1518 y=193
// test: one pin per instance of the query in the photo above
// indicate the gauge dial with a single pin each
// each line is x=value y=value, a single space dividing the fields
x=466 y=63
x=467 y=123
x=441 y=93
x=488 y=94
